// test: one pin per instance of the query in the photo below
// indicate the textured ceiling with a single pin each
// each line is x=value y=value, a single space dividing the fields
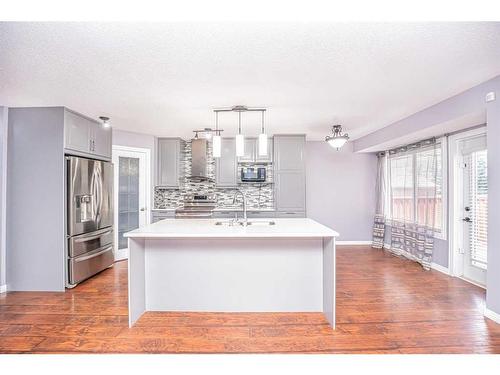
x=164 y=79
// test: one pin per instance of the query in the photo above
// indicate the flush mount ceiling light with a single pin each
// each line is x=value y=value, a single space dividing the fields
x=337 y=139
x=105 y=121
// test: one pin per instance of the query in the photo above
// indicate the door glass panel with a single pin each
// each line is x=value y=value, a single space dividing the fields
x=128 y=200
x=478 y=204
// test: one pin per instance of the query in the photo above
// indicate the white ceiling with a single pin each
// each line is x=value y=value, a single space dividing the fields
x=164 y=79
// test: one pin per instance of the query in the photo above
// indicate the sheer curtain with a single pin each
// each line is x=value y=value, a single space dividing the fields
x=380 y=189
x=412 y=186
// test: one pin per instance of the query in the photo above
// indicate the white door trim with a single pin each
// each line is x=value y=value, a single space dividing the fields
x=455 y=199
x=116 y=151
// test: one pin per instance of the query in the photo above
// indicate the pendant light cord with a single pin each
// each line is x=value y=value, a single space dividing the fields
x=262 y=122
x=239 y=122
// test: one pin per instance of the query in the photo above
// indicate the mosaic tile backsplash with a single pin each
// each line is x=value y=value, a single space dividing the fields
x=259 y=195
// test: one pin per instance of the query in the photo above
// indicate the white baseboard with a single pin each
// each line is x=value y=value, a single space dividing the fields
x=121 y=254
x=434 y=266
x=492 y=315
x=3 y=288
x=353 y=242
x=440 y=268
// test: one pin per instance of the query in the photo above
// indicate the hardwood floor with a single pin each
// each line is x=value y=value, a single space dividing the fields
x=384 y=305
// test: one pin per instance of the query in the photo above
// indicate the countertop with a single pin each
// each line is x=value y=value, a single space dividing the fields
x=206 y=228
x=221 y=209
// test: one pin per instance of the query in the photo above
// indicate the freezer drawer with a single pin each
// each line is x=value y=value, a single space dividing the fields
x=85 y=266
x=88 y=242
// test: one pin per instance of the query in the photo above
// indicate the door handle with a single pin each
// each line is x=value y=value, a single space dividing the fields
x=93 y=255
x=467 y=219
x=143 y=208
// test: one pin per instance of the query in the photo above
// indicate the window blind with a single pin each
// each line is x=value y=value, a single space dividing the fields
x=478 y=203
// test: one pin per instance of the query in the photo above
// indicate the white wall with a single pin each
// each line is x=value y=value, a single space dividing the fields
x=3 y=188
x=340 y=189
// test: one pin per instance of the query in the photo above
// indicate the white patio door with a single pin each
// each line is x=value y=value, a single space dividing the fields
x=475 y=212
x=131 y=171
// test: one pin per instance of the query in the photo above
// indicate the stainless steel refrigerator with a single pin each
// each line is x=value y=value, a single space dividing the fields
x=89 y=218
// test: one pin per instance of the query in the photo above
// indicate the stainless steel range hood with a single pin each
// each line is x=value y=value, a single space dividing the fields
x=199 y=160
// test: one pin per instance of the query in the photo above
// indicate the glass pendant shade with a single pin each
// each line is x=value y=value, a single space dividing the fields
x=262 y=144
x=240 y=145
x=216 y=146
x=337 y=142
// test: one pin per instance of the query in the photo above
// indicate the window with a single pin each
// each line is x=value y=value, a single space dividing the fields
x=415 y=179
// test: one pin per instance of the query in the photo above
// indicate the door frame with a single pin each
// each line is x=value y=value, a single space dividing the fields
x=121 y=254
x=455 y=190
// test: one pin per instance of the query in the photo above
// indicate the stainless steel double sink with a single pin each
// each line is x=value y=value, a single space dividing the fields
x=231 y=223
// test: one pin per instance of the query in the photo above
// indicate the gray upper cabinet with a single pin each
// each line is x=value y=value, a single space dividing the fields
x=289 y=175
x=87 y=136
x=226 y=167
x=251 y=154
x=169 y=156
x=289 y=152
x=77 y=131
x=102 y=143
x=264 y=158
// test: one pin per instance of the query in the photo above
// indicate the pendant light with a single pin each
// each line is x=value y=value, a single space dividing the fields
x=337 y=139
x=216 y=139
x=262 y=139
x=240 y=140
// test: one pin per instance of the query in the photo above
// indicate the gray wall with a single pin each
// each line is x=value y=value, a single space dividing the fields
x=3 y=186
x=468 y=102
x=340 y=189
x=130 y=139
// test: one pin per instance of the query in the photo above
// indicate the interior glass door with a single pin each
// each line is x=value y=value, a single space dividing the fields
x=475 y=215
x=128 y=198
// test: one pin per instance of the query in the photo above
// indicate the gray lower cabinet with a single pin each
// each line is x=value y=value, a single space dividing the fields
x=290 y=214
x=169 y=159
x=250 y=215
x=261 y=214
x=289 y=175
x=84 y=135
x=226 y=167
x=223 y=214
x=160 y=215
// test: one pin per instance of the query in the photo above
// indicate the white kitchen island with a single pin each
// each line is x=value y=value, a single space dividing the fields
x=197 y=265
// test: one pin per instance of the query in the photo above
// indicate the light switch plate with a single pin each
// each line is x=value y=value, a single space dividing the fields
x=490 y=96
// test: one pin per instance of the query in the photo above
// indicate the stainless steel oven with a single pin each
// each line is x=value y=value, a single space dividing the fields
x=89 y=217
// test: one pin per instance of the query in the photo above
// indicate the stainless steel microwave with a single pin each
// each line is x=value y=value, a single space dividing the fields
x=251 y=174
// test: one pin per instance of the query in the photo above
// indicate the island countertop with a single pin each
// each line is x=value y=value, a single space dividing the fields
x=207 y=228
